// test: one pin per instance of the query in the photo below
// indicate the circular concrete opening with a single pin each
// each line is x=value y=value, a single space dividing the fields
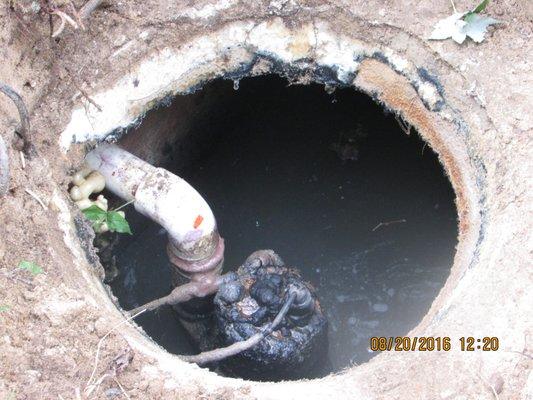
x=305 y=54
x=328 y=180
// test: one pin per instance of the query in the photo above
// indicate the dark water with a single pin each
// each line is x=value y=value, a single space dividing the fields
x=273 y=181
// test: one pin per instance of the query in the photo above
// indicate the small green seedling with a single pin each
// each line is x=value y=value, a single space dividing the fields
x=31 y=267
x=4 y=308
x=113 y=219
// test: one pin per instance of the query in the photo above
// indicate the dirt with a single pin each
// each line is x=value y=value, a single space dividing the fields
x=58 y=336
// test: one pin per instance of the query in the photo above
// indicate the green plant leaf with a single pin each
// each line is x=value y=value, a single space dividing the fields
x=470 y=16
x=94 y=213
x=4 y=308
x=33 y=268
x=480 y=7
x=117 y=223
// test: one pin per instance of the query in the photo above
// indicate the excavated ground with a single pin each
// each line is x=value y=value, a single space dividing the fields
x=56 y=332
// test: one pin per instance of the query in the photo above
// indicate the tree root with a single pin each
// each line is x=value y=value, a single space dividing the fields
x=23 y=132
x=76 y=20
x=186 y=292
x=236 y=348
x=88 y=8
x=203 y=288
x=65 y=18
x=24 y=117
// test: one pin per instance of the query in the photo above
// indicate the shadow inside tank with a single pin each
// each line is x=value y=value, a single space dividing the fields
x=312 y=175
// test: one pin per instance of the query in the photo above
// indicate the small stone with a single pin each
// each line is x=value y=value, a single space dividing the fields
x=144 y=35
x=35 y=7
x=101 y=327
x=277 y=4
x=120 y=41
x=33 y=376
x=112 y=393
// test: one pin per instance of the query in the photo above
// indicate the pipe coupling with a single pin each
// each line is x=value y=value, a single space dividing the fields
x=211 y=264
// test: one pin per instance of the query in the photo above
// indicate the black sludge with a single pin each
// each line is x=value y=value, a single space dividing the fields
x=245 y=305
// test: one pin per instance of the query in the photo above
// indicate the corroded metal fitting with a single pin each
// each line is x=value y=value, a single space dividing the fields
x=211 y=264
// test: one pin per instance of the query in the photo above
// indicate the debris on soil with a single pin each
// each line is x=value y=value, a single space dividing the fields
x=461 y=25
x=68 y=15
x=37 y=198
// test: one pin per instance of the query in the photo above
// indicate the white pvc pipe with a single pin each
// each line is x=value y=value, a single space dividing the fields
x=161 y=196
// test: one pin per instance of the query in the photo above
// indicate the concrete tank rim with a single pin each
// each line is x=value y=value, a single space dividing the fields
x=423 y=106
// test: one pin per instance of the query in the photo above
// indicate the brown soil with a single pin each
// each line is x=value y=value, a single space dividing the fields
x=53 y=327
